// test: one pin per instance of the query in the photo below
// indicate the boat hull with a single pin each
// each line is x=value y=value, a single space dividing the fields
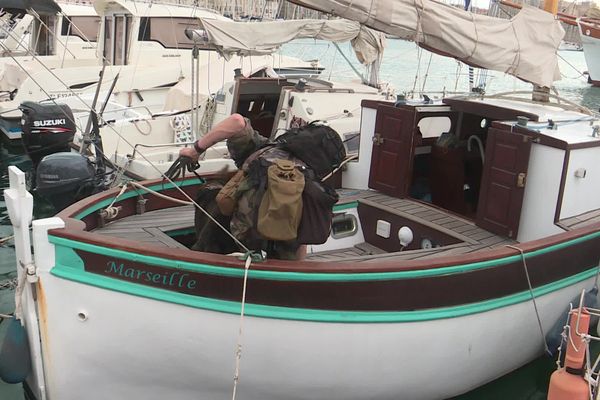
x=590 y=40
x=135 y=347
x=119 y=318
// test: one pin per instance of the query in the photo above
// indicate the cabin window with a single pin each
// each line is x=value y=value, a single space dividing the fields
x=433 y=127
x=343 y=225
x=169 y=32
x=44 y=41
x=108 y=44
x=83 y=27
x=352 y=142
x=117 y=29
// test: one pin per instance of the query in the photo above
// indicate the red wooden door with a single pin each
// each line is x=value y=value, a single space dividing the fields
x=503 y=182
x=392 y=159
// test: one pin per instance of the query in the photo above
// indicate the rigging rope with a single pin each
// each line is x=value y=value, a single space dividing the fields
x=537 y=314
x=238 y=347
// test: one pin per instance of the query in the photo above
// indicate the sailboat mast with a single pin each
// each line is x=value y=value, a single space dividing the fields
x=551 y=6
x=542 y=93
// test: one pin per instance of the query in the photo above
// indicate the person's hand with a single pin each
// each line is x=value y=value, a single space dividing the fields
x=189 y=152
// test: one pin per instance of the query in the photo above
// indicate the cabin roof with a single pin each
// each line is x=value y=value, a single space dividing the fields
x=70 y=9
x=572 y=132
x=147 y=9
x=572 y=127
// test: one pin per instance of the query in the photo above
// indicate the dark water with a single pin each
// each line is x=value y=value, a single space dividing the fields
x=406 y=68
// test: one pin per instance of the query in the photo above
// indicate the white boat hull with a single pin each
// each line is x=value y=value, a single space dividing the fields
x=133 y=347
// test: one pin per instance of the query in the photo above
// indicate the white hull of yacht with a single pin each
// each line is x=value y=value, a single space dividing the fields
x=133 y=347
x=590 y=40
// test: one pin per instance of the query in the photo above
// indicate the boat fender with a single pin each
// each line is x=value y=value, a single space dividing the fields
x=15 y=359
x=568 y=383
x=554 y=334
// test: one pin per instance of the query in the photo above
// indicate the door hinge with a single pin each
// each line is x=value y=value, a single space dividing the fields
x=377 y=139
x=521 y=179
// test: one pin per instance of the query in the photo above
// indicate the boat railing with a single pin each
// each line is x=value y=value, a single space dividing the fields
x=172 y=144
x=146 y=114
x=559 y=101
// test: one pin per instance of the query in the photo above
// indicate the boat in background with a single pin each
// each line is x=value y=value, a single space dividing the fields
x=141 y=66
x=145 y=147
x=570 y=46
x=590 y=39
x=45 y=35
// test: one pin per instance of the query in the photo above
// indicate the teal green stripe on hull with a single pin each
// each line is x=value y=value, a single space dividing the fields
x=300 y=314
x=67 y=244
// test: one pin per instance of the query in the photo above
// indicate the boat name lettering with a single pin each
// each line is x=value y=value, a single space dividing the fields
x=60 y=95
x=50 y=122
x=167 y=278
x=171 y=55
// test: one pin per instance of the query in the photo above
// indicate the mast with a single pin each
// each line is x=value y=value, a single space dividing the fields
x=551 y=6
x=541 y=93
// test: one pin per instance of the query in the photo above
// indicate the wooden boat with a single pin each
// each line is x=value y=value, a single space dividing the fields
x=119 y=307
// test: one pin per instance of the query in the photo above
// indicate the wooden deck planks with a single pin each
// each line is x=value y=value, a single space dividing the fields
x=580 y=220
x=150 y=228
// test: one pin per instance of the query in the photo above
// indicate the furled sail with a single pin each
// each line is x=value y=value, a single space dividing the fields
x=255 y=38
x=524 y=46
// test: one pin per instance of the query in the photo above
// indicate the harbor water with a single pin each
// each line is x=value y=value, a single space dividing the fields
x=408 y=70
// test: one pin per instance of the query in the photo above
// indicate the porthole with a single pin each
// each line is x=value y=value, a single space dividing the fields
x=343 y=225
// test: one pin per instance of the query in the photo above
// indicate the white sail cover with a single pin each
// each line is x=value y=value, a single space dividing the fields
x=524 y=46
x=255 y=38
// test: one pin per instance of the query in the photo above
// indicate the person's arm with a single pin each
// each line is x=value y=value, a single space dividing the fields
x=230 y=127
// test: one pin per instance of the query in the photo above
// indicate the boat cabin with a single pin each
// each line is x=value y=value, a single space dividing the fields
x=135 y=32
x=275 y=104
x=68 y=30
x=513 y=171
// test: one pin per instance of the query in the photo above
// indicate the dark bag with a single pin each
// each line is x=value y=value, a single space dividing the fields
x=318 y=200
x=319 y=146
x=210 y=237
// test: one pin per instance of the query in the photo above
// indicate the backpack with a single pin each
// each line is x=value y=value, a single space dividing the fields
x=280 y=209
x=318 y=200
x=318 y=146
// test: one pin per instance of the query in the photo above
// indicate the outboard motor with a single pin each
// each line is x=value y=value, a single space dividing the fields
x=64 y=178
x=47 y=128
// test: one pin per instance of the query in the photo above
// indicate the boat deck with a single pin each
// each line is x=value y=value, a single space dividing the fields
x=152 y=227
x=578 y=221
x=473 y=238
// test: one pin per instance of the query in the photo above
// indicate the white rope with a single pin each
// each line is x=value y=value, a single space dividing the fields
x=537 y=314
x=19 y=293
x=238 y=348
x=112 y=212
x=6 y=239
x=346 y=161
x=158 y=194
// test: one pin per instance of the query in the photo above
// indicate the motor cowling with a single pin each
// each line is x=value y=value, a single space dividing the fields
x=46 y=128
x=64 y=178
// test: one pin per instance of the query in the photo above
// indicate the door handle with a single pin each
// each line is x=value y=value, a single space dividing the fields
x=521 y=179
x=377 y=139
